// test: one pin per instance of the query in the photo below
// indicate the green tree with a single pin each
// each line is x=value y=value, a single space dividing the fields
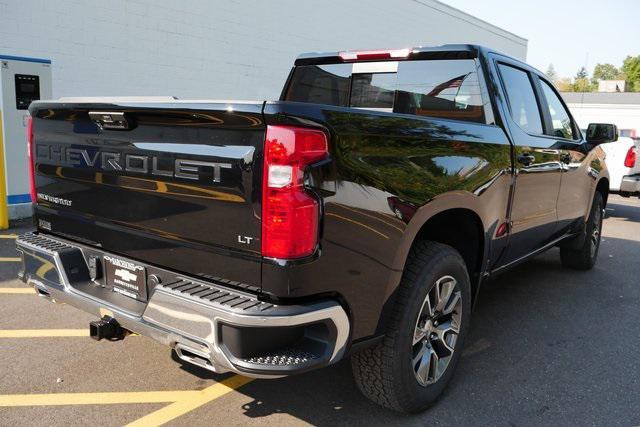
x=605 y=72
x=551 y=73
x=631 y=70
x=564 y=84
x=581 y=82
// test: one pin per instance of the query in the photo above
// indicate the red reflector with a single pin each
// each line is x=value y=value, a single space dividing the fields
x=31 y=168
x=502 y=229
x=370 y=55
x=630 y=159
x=289 y=213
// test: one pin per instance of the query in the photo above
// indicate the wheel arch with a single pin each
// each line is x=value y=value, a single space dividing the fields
x=603 y=188
x=459 y=225
x=462 y=229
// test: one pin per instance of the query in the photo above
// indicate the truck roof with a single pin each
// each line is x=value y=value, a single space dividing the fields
x=453 y=51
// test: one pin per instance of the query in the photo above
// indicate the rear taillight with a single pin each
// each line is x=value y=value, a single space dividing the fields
x=289 y=212
x=630 y=159
x=32 y=173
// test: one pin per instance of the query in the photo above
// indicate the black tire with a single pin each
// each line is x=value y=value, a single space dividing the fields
x=584 y=255
x=385 y=373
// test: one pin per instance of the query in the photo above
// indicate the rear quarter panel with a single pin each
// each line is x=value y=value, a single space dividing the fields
x=389 y=174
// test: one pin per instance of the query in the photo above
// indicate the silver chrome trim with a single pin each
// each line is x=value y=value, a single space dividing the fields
x=630 y=184
x=180 y=321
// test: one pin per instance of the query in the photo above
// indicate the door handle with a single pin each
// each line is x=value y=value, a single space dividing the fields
x=526 y=159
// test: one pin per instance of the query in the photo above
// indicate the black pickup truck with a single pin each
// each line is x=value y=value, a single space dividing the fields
x=357 y=216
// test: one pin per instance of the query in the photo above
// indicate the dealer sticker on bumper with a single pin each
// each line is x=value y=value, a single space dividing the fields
x=126 y=277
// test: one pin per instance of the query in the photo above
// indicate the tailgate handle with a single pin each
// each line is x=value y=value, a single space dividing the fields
x=112 y=120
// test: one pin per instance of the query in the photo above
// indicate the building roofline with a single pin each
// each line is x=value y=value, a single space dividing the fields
x=524 y=40
x=25 y=59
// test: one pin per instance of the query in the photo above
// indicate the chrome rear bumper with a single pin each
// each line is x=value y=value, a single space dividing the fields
x=630 y=184
x=210 y=325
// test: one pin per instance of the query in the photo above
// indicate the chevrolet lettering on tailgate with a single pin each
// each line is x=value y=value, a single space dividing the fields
x=63 y=155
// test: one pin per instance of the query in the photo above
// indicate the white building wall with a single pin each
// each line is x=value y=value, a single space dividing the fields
x=625 y=116
x=218 y=49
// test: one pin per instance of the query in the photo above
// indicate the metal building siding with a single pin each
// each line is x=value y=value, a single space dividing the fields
x=219 y=49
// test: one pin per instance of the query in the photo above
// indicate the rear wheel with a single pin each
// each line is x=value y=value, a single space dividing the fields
x=411 y=367
x=585 y=255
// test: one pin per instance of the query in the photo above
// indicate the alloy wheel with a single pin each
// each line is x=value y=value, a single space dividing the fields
x=595 y=232
x=436 y=331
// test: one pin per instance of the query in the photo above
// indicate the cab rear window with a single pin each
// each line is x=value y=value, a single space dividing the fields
x=447 y=89
x=373 y=90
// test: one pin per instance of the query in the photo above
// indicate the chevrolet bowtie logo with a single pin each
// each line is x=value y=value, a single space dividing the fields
x=125 y=275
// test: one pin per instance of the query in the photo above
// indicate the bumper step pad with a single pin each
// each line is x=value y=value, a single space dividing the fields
x=287 y=357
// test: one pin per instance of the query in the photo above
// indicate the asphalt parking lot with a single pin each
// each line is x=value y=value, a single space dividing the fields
x=547 y=346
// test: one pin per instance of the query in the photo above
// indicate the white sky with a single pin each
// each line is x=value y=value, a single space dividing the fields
x=564 y=32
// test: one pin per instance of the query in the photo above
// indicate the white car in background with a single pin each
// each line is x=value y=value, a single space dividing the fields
x=623 y=162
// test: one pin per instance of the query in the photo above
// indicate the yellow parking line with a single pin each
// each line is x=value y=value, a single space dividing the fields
x=8 y=236
x=17 y=291
x=12 y=259
x=43 y=333
x=184 y=405
x=181 y=401
x=112 y=398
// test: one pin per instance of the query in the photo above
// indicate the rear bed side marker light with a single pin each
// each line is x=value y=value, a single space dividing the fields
x=502 y=229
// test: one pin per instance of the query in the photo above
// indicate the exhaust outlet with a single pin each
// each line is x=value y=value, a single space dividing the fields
x=106 y=328
x=194 y=357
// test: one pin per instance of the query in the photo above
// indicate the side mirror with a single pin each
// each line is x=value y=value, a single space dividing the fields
x=601 y=133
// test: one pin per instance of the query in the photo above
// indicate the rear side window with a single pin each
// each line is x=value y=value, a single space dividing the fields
x=522 y=99
x=447 y=89
x=320 y=84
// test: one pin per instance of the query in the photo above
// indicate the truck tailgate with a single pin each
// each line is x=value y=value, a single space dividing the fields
x=175 y=183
